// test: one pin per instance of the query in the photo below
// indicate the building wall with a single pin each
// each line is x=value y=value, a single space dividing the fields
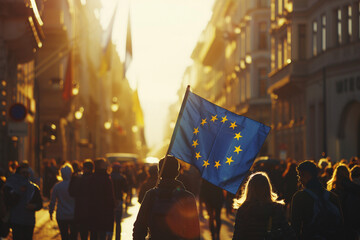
x=319 y=71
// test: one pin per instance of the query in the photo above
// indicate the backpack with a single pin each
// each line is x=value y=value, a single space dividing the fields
x=326 y=222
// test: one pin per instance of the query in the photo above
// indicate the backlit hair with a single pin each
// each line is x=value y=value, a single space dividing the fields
x=341 y=173
x=258 y=188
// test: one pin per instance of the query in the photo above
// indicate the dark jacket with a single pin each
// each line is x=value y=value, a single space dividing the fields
x=101 y=202
x=302 y=207
x=349 y=196
x=147 y=185
x=181 y=222
x=120 y=185
x=78 y=189
x=253 y=221
x=19 y=193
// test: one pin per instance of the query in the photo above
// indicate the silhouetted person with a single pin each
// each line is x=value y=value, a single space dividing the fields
x=168 y=211
x=65 y=205
x=23 y=200
x=120 y=186
x=50 y=177
x=349 y=195
x=290 y=180
x=101 y=202
x=149 y=183
x=213 y=198
x=79 y=190
x=260 y=213
x=355 y=174
x=305 y=207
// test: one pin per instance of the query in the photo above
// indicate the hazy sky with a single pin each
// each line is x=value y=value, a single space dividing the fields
x=164 y=33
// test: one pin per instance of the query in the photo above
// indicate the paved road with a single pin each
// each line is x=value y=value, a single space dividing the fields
x=48 y=230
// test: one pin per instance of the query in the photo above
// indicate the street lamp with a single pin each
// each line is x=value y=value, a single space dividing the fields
x=79 y=113
x=114 y=104
x=75 y=89
x=107 y=125
x=135 y=129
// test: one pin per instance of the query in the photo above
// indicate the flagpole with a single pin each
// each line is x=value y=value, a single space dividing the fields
x=174 y=132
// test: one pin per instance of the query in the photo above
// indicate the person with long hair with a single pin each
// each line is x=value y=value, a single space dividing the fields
x=349 y=195
x=260 y=213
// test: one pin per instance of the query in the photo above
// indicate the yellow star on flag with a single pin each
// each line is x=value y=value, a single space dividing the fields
x=229 y=160
x=237 y=136
x=195 y=143
x=214 y=118
x=233 y=125
x=217 y=164
x=206 y=163
x=203 y=121
x=197 y=155
x=237 y=149
x=196 y=130
x=224 y=119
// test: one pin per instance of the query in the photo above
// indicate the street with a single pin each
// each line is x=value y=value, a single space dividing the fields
x=47 y=229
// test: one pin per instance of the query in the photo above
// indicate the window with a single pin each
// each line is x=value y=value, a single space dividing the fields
x=349 y=21
x=280 y=7
x=314 y=38
x=285 y=51
x=280 y=54
x=273 y=56
x=263 y=35
x=338 y=26
x=263 y=82
x=302 y=41
x=323 y=32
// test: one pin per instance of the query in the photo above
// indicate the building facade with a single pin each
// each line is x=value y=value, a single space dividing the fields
x=232 y=59
x=21 y=36
x=315 y=64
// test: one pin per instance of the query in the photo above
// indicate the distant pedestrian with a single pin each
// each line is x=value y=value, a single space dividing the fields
x=50 y=176
x=349 y=195
x=260 y=214
x=79 y=190
x=65 y=205
x=168 y=211
x=120 y=186
x=23 y=199
x=101 y=202
x=315 y=212
x=213 y=197
x=149 y=183
x=355 y=174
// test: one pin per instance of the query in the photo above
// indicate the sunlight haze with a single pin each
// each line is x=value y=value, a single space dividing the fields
x=164 y=33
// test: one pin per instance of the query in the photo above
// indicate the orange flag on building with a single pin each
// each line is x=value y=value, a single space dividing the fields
x=68 y=81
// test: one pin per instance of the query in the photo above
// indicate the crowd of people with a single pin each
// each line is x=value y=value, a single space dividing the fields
x=86 y=199
x=277 y=200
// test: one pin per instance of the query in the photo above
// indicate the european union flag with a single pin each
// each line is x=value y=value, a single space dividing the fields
x=220 y=144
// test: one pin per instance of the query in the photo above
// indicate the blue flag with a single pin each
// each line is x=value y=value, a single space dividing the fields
x=220 y=144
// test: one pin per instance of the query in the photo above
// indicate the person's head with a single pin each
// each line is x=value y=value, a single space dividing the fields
x=307 y=170
x=23 y=170
x=88 y=166
x=323 y=164
x=116 y=167
x=258 y=188
x=100 y=164
x=170 y=167
x=355 y=172
x=76 y=166
x=153 y=171
x=66 y=171
x=341 y=173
